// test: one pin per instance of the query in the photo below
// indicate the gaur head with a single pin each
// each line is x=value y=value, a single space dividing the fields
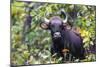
x=55 y=24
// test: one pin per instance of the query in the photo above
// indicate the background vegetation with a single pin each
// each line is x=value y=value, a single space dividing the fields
x=31 y=45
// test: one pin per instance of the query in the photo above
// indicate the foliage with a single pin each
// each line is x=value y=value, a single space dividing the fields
x=36 y=49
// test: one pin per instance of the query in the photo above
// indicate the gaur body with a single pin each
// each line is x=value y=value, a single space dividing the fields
x=63 y=37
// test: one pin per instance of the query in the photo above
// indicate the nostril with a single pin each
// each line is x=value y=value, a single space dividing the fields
x=57 y=34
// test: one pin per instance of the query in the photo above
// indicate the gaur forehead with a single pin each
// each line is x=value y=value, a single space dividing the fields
x=56 y=21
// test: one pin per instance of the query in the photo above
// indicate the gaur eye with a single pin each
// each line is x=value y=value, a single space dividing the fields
x=52 y=26
x=60 y=26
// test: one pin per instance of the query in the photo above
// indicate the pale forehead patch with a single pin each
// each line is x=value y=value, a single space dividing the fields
x=56 y=21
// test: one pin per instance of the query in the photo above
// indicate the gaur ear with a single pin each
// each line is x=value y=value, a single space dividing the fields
x=44 y=25
x=66 y=25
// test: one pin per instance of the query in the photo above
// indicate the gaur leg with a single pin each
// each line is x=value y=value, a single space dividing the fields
x=56 y=52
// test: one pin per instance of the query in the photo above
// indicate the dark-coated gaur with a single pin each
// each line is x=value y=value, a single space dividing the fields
x=63 y=37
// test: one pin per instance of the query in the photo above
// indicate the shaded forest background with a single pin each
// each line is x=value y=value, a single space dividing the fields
x=31 y=45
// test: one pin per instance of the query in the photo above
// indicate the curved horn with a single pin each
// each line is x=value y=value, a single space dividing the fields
x=65 y=20
x=46 y=20
x=66 y=16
